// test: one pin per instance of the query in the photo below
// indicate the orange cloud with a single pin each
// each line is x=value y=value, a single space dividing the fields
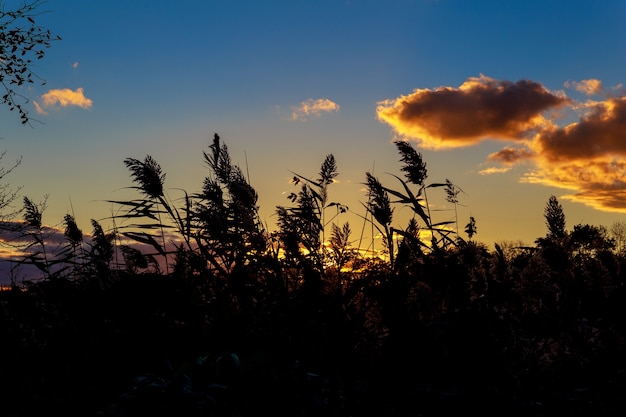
x=597 y=183
x=587 y=157
x=63 y=97
x=599 y=133
x=481 y=108
x=494 y=170
x=588 y=87
x=313 y=108
x=510 y=155
x=39 y=109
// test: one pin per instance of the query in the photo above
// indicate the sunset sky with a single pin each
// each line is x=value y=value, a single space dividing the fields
x=513 y=101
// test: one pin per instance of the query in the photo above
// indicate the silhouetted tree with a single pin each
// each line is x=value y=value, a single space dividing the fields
x=618 y=234
x=21 y=41
x=555 y=218
x=587 y=239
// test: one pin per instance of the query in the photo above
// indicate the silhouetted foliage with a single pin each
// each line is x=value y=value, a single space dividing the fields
x=8 y=194
x=588 y=239
x=414 y=166
x=229 y=228
x=33 y=230
x=251 y=323
x=147 y=175
x=555 y=218
x=470 y=228
x=21 y=41
x=302 y=227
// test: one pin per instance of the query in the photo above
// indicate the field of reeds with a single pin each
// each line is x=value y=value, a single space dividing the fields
x=193 y=308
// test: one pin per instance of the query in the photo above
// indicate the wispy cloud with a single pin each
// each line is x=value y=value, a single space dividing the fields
x=39 y=109
x=494 y=170
x=313 y=108
x=63 y=97
x=586 y=157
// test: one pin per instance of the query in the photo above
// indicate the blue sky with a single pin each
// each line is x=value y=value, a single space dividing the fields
x=284 y=83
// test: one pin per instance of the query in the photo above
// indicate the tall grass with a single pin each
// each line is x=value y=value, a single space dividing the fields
x=34 y=230
x=442 y=325
x=217 y=231
x=302 y=226
x=412 y=193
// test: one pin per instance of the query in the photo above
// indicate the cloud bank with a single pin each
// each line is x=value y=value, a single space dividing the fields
x=63 y=97
x=587 y=157
x=313 y=108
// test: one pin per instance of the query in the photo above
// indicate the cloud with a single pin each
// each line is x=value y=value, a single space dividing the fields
x=598 y=133
x=75 y=64
x=16 y=246
x=588 y=87
x=39 y=109
x=313 y=108
x=494 y=170
x=598 y=184
x=63 y=97
x=586 y=157
x=510 y=155
x=481 y=108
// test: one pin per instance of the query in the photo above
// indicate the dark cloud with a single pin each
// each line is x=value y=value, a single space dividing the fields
x=600 y=132
x=584 y=157
x=510 y=155
x=481 y=108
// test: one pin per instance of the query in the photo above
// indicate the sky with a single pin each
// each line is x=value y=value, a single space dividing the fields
x=512 y=101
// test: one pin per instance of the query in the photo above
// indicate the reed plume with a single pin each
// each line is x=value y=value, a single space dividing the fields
x=148 y=175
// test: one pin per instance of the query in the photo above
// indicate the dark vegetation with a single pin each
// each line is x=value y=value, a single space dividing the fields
x=213 y=315
x=22 y=43
x=241 y=321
